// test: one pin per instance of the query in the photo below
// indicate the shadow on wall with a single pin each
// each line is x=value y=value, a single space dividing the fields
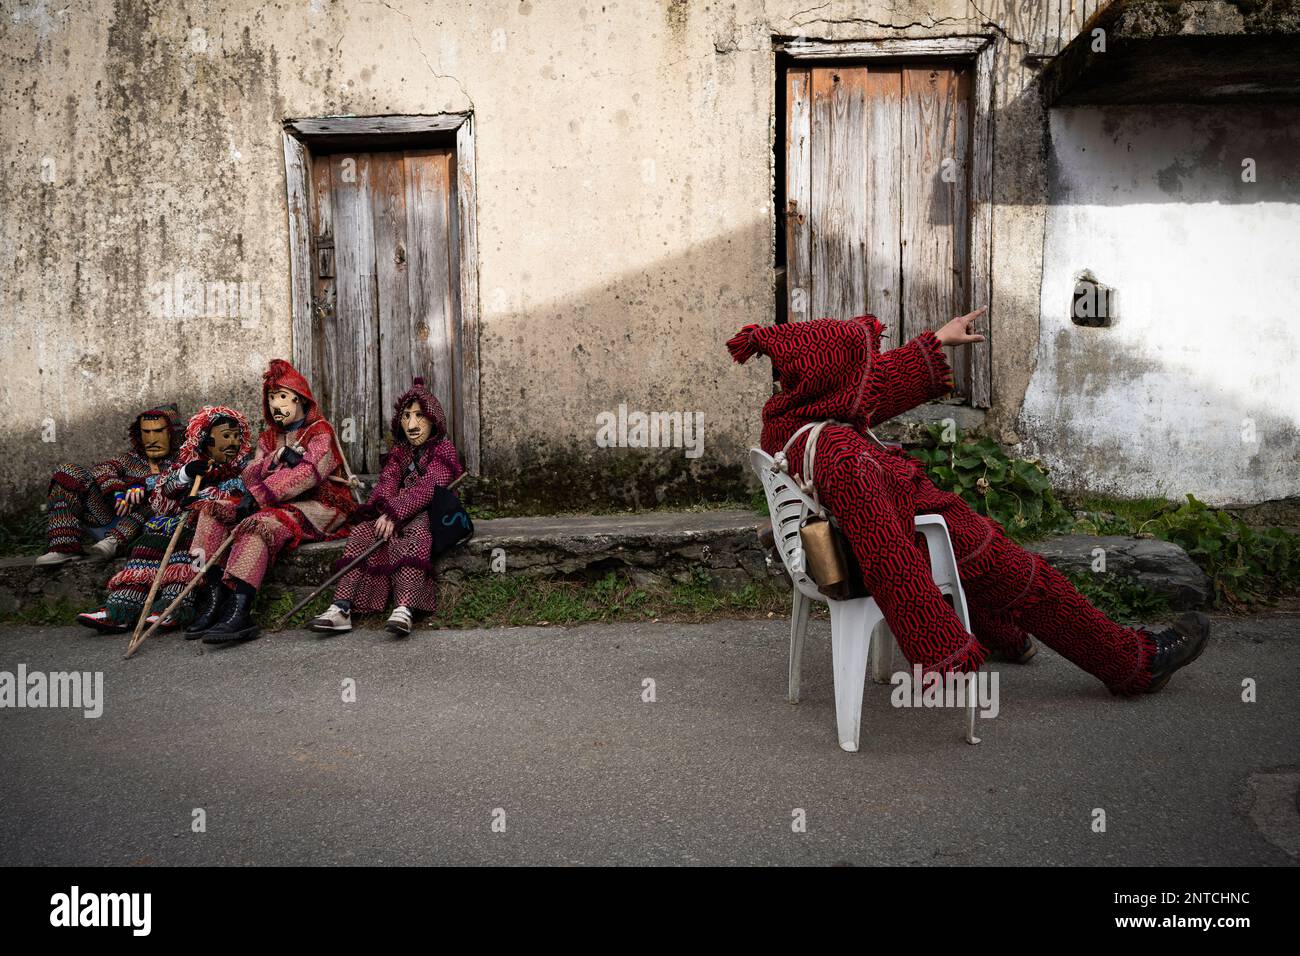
x=561 y=385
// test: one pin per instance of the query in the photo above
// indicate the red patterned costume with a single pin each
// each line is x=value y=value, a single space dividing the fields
x=298 y=497
x=402 y=568
x=832 y=369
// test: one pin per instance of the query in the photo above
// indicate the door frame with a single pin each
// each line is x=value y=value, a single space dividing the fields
x=367 y=133
x=976 y=51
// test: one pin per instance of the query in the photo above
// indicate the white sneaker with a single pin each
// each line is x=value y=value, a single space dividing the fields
x=52 y=559
x=334 y=620
x=104 y=550
x=399 y=622
x=99 y=620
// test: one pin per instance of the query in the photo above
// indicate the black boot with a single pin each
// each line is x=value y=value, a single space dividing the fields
x=208 y=605
x=235 y=623
x=1177 y=647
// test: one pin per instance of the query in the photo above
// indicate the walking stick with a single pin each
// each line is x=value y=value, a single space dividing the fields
x=352 y=564
x=194 y=582
x=162 y=567
x=353 y=483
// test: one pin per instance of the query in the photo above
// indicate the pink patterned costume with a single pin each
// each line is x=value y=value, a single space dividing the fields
x=402 y=568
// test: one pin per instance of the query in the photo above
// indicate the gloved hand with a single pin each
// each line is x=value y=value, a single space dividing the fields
x=199 y=466
x=246 y=507
x=290 y=456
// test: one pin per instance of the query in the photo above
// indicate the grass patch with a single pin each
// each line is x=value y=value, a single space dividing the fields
x=23 y=533
x=274 y=601
x=44 y=614
x=514 y=600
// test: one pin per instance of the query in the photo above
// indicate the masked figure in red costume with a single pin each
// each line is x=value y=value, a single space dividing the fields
x=833 y=369
x=296 y=493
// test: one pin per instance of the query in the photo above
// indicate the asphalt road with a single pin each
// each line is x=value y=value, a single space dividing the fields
x=545 y=730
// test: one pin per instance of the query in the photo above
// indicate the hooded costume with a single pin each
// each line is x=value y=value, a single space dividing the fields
x=83 y=501
x=221 y=492
x=402 y=568
x=833 y=369
x=296 y=496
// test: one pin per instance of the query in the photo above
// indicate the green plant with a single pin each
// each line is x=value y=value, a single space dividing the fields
x=1014 y=492
x=1246 y=566
x=1119 y=598
x=23 y=533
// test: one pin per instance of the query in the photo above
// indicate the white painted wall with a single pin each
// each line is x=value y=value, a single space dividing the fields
x=1195 y=387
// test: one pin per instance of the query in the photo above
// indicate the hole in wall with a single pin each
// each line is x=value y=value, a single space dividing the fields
x=1094 y=304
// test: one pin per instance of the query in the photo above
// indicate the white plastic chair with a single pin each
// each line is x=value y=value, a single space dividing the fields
x=858 y=627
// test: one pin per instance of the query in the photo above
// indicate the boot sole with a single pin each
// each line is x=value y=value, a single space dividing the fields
x=233 y=637
x=328 y=629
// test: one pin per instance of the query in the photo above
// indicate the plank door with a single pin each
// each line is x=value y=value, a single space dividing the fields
x=878 y=200
x=385 y=286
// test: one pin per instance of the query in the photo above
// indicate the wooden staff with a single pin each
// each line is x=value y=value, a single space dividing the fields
x=157 y=578
x=194 y=582
x=353 y=483
x=352 y=564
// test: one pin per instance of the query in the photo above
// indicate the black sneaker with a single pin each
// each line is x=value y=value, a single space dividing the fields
x=1177 y=647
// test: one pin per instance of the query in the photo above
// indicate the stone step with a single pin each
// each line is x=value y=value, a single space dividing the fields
x=655 y=547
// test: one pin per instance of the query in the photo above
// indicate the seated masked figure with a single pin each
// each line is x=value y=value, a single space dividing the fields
x=109 y=502
x=422 y=459
x=296 y=480
x=218 y=444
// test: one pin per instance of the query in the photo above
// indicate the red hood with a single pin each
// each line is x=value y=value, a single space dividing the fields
x=280 y=374
x=824 y=366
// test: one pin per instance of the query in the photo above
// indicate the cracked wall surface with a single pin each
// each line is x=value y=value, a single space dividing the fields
x=625 y=215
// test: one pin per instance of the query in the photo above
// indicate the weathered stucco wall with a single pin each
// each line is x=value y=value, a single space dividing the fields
x=625 y=220
x=1194 y=386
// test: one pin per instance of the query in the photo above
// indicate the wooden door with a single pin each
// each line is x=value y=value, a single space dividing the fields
x=878 y=200
x=385 y=286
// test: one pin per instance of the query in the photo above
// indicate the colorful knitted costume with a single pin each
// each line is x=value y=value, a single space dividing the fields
x=831 y=369
x=297 y=503
x=220 y=493
x=402 y=568
x=83 y=501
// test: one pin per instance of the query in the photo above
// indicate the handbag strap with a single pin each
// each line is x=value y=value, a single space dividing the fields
x=804 y=478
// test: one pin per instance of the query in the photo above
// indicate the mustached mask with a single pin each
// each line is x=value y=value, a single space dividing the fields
x=417 y=425
x=223 y=440
x=286 y=407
